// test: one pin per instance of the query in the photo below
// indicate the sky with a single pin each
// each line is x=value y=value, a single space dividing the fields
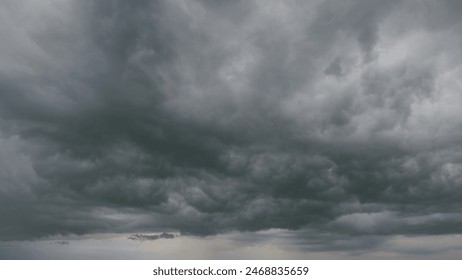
x=230 y=129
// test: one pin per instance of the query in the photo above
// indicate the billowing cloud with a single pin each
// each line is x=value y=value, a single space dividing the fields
x=209 y=117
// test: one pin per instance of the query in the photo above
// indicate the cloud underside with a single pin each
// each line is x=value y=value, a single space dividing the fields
x=207 y=117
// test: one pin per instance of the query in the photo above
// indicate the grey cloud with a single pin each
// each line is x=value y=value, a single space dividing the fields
x=207 y=117
x=62 y=242
x=150 y=237
x=335 y=68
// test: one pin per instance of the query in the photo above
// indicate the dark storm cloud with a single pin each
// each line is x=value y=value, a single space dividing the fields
x=206 y=117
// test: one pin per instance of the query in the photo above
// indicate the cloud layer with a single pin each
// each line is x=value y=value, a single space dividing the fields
x=206 y=117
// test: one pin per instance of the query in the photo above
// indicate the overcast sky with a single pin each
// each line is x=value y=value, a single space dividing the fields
x=329 y=126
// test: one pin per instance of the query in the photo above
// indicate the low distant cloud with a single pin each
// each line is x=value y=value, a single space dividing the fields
x=60 y=242
x=151 y=237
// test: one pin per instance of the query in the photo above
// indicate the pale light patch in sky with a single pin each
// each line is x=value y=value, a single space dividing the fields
x=271 y=244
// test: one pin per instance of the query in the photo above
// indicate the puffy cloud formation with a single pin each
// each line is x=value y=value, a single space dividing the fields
x=206 y=117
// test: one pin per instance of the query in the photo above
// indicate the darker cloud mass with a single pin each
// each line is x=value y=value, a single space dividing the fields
x=206 y=117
